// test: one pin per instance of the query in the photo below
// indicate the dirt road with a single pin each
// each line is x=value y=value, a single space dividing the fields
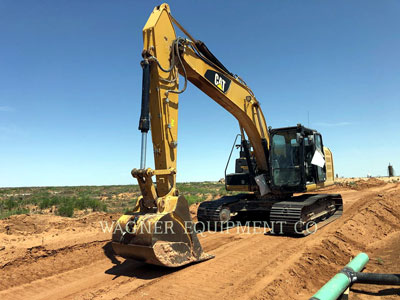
x=50 y=257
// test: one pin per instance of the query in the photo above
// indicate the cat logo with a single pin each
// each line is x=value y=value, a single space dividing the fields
x=219 y=82
x=218 y=79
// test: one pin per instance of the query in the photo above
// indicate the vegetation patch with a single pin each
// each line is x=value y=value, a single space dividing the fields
x=78 y=200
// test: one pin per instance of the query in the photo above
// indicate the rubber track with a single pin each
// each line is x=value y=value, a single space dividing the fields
x=208 y=211
x=286 y=215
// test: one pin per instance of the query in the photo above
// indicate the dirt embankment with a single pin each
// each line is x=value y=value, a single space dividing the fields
x=361 y=184
x=44 y=256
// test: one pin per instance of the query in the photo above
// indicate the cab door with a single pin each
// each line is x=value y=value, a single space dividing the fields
x=317 y=162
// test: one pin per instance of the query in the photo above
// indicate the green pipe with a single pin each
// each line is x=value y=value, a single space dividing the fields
x=359 y=262
x=335 y=287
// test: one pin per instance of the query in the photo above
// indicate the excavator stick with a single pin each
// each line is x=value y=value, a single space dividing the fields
x=160 y=230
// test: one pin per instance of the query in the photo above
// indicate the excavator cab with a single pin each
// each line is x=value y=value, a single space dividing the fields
x=297 y=159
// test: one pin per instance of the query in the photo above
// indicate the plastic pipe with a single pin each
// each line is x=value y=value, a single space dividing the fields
x=335 y=287
x=375 y=278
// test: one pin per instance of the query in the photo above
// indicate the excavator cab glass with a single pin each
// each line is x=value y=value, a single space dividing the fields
x=285 y=159
x=293 y=160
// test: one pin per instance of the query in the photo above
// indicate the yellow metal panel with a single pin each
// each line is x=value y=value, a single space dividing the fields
x=330 y=172
x=158 y=35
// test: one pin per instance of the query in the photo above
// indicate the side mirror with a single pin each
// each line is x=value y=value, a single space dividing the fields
x=299 y=138
x=311 y=139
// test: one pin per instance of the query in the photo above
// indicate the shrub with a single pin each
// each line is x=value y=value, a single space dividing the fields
x=66 y=209
x=193 y=199
x=10 y=203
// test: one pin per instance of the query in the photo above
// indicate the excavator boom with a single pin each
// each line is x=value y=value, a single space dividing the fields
x=164 y=57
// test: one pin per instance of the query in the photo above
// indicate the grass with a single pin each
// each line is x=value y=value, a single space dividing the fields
x=69 y=201
x=191 y=199
x=65 y=200
x=18 y=211
x=66 y=206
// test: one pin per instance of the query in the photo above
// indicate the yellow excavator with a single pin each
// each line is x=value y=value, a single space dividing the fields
x=275 y=170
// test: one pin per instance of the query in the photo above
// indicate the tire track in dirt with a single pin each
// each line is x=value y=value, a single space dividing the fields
x=80 y=271
x=238 y=269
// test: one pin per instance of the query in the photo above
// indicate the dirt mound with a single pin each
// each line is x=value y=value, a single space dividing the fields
x=193 y=210
x=362 y=184
x=51 y=257
x=38 y=262
x=125 y=196
x=372 y=220
x=37 y=223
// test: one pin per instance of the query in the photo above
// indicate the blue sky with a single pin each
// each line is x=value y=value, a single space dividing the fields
x=70 y=84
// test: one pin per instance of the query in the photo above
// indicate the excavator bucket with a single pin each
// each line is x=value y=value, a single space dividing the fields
x=165 y=237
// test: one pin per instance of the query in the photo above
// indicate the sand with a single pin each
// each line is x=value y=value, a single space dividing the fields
x=45 y=256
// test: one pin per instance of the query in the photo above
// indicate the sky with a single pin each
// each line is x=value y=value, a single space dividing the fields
x=70 y=84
